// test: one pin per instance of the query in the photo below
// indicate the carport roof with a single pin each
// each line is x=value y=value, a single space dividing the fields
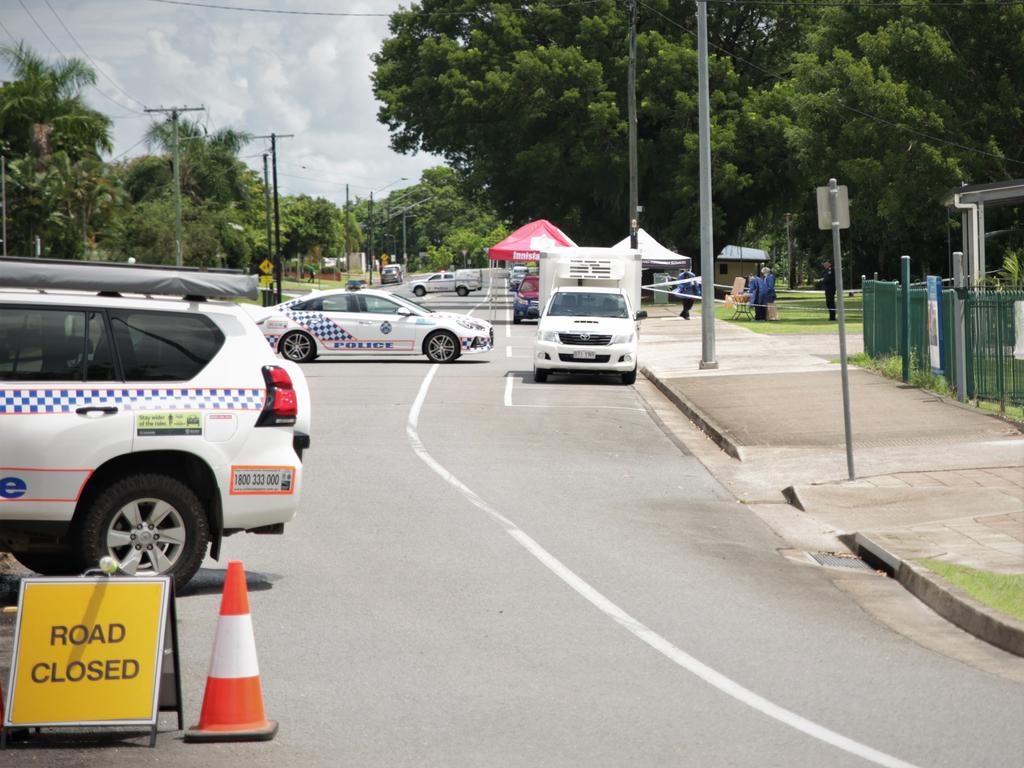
x=993 y=194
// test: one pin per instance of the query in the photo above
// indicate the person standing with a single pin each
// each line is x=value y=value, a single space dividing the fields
x=828 y=284
x=768 y=280
x=687 y=291
x=756 y=287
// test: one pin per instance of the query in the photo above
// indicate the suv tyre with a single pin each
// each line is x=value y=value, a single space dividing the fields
x=150 y=524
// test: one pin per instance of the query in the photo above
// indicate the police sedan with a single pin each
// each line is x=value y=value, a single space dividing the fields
x=369 y=322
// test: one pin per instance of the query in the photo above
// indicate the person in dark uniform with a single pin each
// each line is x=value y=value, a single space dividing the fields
x=686 y=291
x=828 y=284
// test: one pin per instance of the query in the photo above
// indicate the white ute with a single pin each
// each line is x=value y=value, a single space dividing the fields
x=140 y=420
x=590 y=323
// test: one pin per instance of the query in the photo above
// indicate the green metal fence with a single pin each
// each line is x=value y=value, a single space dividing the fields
x=991 y=368
x=992 y=371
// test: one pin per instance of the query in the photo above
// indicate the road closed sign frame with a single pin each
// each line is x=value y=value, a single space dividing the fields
x=90 y=652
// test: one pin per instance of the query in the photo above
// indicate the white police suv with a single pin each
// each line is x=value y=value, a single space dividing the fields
x=369 y=322
x=139 y=419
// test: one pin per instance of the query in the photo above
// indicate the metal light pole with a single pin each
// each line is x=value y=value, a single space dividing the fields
x=3 y=193
x=634 y=202
x=707 y=265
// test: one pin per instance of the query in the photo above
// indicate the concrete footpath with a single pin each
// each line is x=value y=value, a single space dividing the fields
x=934 y=479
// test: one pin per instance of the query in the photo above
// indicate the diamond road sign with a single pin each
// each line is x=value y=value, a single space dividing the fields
x=267 y=266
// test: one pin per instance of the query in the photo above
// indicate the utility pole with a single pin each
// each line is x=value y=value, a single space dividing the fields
x=348 y=244
x=3 y=193
x=789 y=252
x=174 y=112
x=707 y=266
x=369 y=267
x=266 y=202
x=634 y=201
x=277 y=212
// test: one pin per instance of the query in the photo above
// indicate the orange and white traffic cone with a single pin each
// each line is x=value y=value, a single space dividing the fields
x=233 y=702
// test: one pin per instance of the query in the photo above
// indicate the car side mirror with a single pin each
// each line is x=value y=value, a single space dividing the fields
x=641 y=315
x=404 y=312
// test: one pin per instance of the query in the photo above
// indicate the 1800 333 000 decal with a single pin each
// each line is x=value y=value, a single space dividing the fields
x=264 y=480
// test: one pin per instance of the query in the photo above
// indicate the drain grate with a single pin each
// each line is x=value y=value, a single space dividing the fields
x=832 y=560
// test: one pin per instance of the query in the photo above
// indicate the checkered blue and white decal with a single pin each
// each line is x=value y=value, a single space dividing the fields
x=66 y=400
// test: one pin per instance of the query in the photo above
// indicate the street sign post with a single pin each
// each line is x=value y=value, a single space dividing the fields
x=834 y=214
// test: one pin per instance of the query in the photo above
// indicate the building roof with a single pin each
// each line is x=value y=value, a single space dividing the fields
x=742 y=253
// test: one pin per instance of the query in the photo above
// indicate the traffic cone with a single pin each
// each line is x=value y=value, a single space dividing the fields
x=233 y=702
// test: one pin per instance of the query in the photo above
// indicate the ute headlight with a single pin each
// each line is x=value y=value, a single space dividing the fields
x=622 y=338
x=547 y=335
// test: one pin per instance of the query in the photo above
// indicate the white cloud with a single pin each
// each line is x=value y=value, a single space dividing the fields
x=290 y=74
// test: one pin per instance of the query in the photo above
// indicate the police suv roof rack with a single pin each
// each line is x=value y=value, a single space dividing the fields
x=110 y=277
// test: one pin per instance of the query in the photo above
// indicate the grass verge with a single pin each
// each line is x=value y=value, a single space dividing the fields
x=999 y=591
x=800 y=314
x=892 y=368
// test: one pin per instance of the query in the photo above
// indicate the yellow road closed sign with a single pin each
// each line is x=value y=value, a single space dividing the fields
x=88 y=651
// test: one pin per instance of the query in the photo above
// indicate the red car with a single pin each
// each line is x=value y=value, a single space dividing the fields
x=524 y=305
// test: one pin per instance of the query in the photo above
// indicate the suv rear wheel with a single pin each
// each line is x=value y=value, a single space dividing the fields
x=150 y=524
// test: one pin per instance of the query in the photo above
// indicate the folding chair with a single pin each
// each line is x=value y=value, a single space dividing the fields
x=738 y=300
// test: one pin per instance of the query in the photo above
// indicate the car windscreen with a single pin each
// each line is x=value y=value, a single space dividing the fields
x=414 y=305
x=588 y=305
x=529 y=284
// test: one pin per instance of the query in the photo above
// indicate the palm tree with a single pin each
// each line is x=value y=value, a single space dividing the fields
x=42 y=109
x=210 y=169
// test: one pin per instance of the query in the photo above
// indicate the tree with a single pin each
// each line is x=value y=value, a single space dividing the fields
x=901 y=105
x=528 y=104
x=210 y=169
x=42 y=110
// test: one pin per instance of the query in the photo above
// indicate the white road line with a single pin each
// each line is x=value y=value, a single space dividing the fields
x=638 y=629
x=508 y=351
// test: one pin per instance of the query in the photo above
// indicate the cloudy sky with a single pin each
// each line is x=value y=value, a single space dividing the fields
x=286 y=73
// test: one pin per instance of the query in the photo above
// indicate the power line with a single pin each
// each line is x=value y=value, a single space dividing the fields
x=13 y=38
x=871 y=4
x=40 y=28
x=841 y=103
x=91 y=59
x=356 y=14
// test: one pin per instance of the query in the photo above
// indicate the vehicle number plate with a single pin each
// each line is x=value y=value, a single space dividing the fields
x=584 y=354
x=262 y=479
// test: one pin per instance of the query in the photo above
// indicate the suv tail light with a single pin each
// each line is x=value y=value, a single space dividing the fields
x=282 y=405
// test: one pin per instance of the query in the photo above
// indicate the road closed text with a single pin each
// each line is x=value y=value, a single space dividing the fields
x=74 y=671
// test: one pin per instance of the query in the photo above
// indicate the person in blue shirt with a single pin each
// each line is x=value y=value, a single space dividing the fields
x=768 y=294
x=687 y=291
x=756 y=289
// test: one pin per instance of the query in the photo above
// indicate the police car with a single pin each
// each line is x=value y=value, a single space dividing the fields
x=140 y=420
x=369 y=322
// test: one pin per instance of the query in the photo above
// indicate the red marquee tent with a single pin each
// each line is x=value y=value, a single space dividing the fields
x=526 y=243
